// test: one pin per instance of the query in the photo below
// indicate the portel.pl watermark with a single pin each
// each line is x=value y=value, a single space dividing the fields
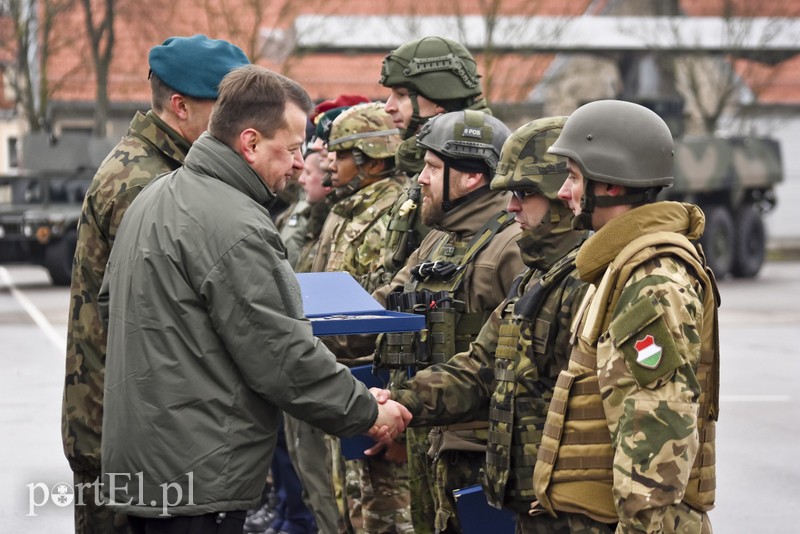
x=64 y=494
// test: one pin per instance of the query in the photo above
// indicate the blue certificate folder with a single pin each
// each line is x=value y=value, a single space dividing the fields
x=477 y=516
x=336 y=304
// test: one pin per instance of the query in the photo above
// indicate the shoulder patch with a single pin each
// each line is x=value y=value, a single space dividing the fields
x=641 y=334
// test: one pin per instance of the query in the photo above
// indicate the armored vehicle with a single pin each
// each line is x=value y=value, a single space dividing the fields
x=732 y=179
x=40 y=205
x=39 y=217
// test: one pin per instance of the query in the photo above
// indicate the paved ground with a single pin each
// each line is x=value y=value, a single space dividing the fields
x=757 y=436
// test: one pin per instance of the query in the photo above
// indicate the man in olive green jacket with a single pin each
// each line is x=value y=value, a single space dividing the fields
x=207 y=340
x=184 y=75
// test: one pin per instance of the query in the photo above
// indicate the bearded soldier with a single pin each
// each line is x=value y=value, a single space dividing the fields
x=361 y=147
x=629 y=440
x=512 y=366
x=427 y=77
x=462 y=270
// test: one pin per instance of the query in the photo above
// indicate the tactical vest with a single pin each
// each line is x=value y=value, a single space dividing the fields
x=404 y=234
x=518 y=408
x=450 y=328
x=574 y=469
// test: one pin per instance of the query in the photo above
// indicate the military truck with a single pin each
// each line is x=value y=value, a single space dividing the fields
x=38 y=219
x=733 y=181
x=40 y=205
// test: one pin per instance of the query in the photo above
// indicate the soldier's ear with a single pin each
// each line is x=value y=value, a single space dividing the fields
x=177 y=103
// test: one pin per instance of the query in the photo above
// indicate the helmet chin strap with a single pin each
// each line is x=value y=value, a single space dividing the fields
x=590 y=201
x=447 y=204
x=416 y=120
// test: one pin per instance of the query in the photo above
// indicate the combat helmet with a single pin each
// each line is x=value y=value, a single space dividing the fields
x=467 y=140
x=440 y=69
x=617 y=142
x=525 y=163
x=367 y=130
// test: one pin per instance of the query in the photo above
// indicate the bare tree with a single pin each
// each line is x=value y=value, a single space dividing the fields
x=717 y=85
x=35 y=39
x=99 y=21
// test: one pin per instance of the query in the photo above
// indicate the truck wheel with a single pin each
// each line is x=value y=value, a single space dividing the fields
x=58 y=258
x=718 y=240
x=750 y=242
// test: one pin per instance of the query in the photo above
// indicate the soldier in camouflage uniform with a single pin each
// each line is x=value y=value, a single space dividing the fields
x=427 y=77
x=361 y=146
x=628 y=445
x=462 y=270
x=512 y=366
x=184 y=76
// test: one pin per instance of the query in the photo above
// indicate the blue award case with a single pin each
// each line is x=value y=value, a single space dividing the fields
x=478 y=517
x=337 y=305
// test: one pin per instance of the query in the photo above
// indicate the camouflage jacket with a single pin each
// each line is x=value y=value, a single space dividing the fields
x=644 y=369
x=510 y=386
x=351 y=241
x=292 y=226
x=487 y=280
x=353 y=233
x=149 y=149
x=317 y=213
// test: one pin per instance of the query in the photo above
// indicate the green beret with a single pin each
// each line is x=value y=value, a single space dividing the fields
x=194 y=66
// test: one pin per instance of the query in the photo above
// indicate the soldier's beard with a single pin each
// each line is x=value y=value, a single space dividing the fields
x=432 y=211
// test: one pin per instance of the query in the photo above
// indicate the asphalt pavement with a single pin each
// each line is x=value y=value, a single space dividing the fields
x=758 y=474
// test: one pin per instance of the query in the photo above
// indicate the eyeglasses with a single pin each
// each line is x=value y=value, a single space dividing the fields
x=522 y=195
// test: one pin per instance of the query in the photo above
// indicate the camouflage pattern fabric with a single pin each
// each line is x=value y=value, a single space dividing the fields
x=655 y=398
x=454 y=470
x=354 y=231
x=351 y=241
x=314 y=223
x=293 y=229
x=149 y=149
x=385 y=500
x=421 y=480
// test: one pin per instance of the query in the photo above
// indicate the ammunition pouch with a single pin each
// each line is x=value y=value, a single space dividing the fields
x=448 y=330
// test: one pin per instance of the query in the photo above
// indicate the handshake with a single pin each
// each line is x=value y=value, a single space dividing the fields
x=392 y=419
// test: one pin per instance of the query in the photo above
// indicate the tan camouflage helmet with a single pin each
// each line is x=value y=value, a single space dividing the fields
x=525 y=163
x=366 y=128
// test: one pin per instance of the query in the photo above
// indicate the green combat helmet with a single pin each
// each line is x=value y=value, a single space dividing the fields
x=440 y=69
x=526 y=165
x=468 y=141
x=368 y=131
x=617 y=142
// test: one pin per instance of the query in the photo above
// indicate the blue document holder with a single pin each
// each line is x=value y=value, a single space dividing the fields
x=477 y=517
x=336 y=304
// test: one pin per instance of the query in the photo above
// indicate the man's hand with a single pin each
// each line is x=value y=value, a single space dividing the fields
x=381 y=395
x=392 y=419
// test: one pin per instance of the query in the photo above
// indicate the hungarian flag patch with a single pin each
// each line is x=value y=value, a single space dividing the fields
x=648 y=353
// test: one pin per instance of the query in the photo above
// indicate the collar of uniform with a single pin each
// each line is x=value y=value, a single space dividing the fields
x=605 y=244
x=467 y=218
x=150 y=127
x=211 y=157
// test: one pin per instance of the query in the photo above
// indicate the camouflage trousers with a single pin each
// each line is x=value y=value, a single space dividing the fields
x=680 y=519
x=454 y=470
x=421 y=480
x=384 y=496
x=346 y=491
x=91 y=518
